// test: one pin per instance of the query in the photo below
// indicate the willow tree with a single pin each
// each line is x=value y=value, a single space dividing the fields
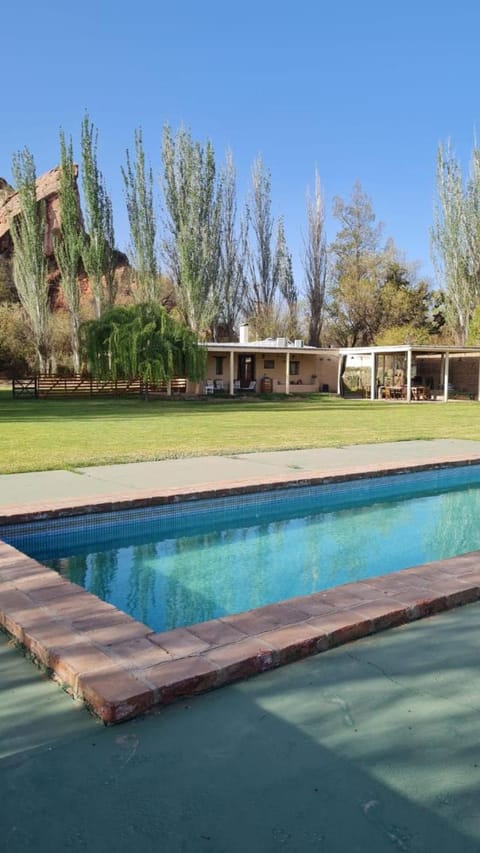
x=138 y=185
x=192 y=195
x=68 y=247
x=98 y=250
x=142 y=341
x=29 y=262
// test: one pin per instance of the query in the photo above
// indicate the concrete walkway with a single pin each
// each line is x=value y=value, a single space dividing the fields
x=204 y=471
x=374 y=746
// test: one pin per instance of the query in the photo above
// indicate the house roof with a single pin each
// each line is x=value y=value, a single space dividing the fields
x=279 y=345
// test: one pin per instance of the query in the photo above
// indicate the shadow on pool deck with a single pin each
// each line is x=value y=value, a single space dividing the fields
x=374 y=746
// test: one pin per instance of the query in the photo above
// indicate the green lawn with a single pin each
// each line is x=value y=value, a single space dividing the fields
x=37 y=435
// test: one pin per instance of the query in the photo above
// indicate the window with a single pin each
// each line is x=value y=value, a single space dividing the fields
x=294 y=368
x=269 y=364
x=219 y=365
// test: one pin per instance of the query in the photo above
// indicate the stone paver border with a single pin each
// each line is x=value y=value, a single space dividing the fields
x=120 y=668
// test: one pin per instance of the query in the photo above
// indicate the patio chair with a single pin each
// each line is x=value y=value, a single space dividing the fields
x=236 y=385
x=209 y=387
x=252 y=386
x=218 y=385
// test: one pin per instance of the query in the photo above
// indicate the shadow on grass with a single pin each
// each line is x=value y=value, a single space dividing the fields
x=119 y=409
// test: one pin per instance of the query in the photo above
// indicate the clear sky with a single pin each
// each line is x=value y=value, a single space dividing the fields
x=361 y=90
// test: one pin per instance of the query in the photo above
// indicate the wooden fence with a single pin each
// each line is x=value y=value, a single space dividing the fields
x=87 y=386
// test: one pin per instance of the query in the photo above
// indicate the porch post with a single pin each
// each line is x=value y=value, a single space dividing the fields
x=445 y=378
x=232 y=389
x=287 y=373
x=409 y=376
x=373 y=384
x=339 y=375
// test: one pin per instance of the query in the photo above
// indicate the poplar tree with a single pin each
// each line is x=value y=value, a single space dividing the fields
x=29 y=262
x=192 y=195
x=451 y=235
x=138 y=185
x=262 y=286
x=315 y=262
x=98 y=253
x=232 y=254
x=284 y=281
x=68 y=248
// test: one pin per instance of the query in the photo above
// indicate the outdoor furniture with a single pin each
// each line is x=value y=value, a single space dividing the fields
x=218 y=385
x=209 y=387
x=419 y=392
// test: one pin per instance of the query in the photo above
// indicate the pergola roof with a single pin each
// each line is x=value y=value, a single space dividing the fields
x=427 y=348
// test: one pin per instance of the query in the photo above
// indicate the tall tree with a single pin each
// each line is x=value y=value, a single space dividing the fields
x=29 y=263
x=68 y=248
x=450 y=242
x=98 y=252
x=315 y=262
x=284 y=281
x=262 y=285
x=358 y=265
x=192 y=194
x=232 y=254
x=138 y=185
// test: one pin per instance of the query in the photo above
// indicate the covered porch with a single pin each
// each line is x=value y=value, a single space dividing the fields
x=412 y=373
x=275 y=365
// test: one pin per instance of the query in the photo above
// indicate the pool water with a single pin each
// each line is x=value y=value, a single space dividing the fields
x=179 y=564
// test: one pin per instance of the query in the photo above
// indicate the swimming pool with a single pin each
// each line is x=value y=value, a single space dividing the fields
x=179 y=564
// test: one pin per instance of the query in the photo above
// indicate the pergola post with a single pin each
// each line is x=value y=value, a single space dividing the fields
x=339 y=375
x=445 y=377
x=287 y=373
x=373 y=385
x=409 y=376
x=232 y=381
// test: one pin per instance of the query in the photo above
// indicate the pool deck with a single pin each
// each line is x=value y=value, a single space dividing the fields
x=119 y=667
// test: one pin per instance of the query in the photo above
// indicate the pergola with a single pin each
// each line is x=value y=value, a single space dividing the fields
x=374 y=357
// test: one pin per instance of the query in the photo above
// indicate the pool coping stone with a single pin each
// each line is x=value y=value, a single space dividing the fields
x=89 y=645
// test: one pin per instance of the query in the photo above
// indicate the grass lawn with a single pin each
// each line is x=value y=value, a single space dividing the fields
x=37 y=435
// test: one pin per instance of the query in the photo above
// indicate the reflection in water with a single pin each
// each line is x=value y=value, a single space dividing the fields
x=183 y=575
x=141 y=581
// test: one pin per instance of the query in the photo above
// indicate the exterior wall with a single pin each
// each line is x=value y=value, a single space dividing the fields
x=314 y=371
x=462 y=373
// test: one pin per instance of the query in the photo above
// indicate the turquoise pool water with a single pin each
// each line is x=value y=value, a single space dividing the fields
x=186 y=563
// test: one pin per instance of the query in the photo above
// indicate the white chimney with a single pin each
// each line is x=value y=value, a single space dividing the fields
x=298 y=343
x=281 y=342
x=244 y=333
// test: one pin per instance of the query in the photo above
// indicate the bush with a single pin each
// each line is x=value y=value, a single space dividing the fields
x=17 y=351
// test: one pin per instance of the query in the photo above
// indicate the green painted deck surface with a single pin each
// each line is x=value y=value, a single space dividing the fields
x=374 y=746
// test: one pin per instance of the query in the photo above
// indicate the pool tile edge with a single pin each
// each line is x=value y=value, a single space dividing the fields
x=88 y=660
x=137 y=498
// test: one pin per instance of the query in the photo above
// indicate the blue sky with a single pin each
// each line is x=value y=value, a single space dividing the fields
x=360 y=90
